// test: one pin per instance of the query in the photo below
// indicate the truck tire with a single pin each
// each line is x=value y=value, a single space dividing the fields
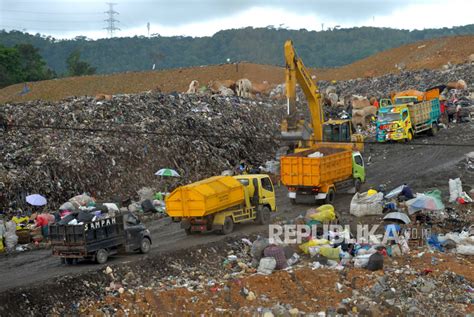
x=69 y=261
x=409 y=136
x=293 y=201
x=434 y=129
x=101 y=256
x=330 y=196
x=188 y=231
x=228 y=226
x=145 y=245
x=357 y=185
x=263 y=216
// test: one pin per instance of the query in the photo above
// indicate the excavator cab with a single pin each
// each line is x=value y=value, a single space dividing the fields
x=337 y=131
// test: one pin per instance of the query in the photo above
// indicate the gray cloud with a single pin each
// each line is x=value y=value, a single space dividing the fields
x=85 y=15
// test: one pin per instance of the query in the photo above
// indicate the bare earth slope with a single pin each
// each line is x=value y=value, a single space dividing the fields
x=424 y=54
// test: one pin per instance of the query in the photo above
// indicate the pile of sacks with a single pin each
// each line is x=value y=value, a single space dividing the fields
x=117 y=145
x=83 y=208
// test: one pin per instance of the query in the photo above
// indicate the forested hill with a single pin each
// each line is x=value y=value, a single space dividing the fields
x=261 y=45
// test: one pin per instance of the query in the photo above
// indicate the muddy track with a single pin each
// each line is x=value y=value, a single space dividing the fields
x=424 y=167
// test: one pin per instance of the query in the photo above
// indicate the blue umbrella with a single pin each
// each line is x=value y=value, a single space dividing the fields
x=36 y=200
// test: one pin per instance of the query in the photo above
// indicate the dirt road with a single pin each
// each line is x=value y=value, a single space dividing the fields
x=422 y=166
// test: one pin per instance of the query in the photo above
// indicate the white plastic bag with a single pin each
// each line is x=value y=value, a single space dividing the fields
x=362 y=261
x=465 y=249
x=266 y=266
x=455 y=189
x=363 y=205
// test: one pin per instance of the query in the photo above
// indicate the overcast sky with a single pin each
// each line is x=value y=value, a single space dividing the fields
x=69 y=18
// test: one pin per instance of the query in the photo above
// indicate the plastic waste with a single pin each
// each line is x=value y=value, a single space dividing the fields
x=294 y=259
x=258 y=246
x=324 y=213
x=455 y=189
x=363 y=205
x=266 y=266
x=375 y=262
x=361 y=261
x=330 y=252
x=312 y=243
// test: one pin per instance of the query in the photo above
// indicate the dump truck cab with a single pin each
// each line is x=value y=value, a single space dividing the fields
x=265 y=194
x=394 y=123
x=217 y=203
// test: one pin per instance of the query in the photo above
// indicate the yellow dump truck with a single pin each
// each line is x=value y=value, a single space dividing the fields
x=321 y=171
x=217 y=203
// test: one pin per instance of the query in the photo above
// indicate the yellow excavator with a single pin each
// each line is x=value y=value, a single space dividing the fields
x=296 y=130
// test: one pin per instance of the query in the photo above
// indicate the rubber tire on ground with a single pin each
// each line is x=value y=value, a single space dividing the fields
x=188 y=231
x=101 y=256
x=357 y=185
x=293 y=201
x=263 y=216
x=330 y=197
x=434 y=129
x=228 y=226
x=145 y=245
x=409 y=137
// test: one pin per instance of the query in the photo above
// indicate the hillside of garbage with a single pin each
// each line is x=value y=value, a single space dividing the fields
x=112 y=148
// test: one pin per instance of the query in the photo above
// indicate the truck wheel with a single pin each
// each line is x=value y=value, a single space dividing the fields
x=293 y=201
x=188 y=231
x=101 y=256
x=228 y=226
x=69 y=261
x=263 y=216
x=409 y=136
x=145 y=245
x=330 y=196
x=357 y=185
x=434 y=130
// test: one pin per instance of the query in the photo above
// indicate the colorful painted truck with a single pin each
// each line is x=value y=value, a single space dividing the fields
x=322 y=171
x=217 y=203
x=407 y=117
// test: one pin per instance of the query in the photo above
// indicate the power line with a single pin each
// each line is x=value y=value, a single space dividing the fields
x=53 y=21
x=111 y=28
x=53 y=13
x=218 y=136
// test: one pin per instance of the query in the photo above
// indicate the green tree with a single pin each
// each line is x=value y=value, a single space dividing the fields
x=76 y=67
x=33 y=67
x=10 y=66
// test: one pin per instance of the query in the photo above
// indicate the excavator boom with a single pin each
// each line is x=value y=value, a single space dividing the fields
x=297 y=72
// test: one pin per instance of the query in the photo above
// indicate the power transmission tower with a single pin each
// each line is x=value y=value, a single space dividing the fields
x=111 y=28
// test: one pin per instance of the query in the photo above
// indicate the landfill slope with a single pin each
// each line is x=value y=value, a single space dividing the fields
x=431 y=54
x=113 y=148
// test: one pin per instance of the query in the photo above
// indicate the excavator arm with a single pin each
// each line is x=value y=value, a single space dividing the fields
x=297 y=72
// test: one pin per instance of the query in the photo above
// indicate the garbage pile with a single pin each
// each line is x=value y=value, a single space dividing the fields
x=111 y=148
x=421 y=80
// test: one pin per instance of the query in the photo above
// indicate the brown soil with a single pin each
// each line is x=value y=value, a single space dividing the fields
x=430 y=54
x=305 y=289
x=424 y=54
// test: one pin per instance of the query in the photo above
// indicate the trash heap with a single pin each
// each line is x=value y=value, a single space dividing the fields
x=420 y=80
x=112 y=148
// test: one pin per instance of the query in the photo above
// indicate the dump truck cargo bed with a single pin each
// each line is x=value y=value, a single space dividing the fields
x=205 y=197
x=334 y=165
x=424 y=112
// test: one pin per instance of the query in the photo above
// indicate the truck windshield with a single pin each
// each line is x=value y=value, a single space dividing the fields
x=401 y=101
x=388 y=116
